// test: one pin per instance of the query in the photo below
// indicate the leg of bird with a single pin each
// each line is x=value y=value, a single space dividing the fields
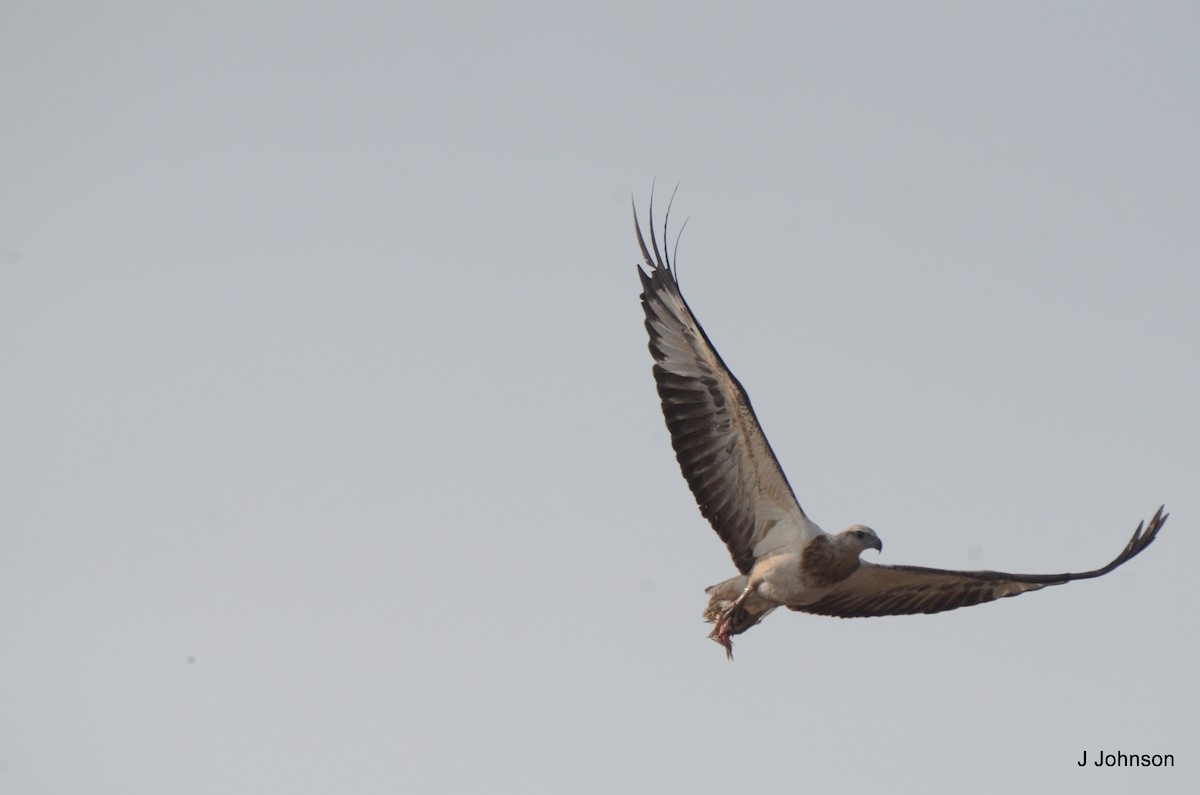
x=741 y=598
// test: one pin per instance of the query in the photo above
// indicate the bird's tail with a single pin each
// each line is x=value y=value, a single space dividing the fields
x=724 y=594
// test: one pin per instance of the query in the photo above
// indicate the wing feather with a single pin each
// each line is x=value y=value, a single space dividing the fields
x=722 y=451
x=874 y=590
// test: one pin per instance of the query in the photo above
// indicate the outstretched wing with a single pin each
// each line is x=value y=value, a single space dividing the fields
x=721 y=449
x=875 y=590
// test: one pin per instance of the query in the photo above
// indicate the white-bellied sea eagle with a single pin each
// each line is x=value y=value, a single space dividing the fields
x=783 y=557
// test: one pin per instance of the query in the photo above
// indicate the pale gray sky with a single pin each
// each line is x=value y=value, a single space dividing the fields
x=331 y=458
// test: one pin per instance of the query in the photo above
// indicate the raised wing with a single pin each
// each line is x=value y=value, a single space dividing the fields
x=721 y=449
x=875 y=590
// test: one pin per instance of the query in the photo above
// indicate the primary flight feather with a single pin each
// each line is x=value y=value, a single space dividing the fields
x=784 y=558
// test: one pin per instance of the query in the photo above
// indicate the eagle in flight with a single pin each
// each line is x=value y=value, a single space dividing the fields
x=783 y=557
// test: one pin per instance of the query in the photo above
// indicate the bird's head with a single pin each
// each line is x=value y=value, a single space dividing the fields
x=862 y=537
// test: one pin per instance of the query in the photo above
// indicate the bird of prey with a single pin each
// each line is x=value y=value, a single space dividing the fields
x=783 y=558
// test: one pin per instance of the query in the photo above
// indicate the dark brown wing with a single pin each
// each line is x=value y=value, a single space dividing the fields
x=875 y=590
x=725 y=458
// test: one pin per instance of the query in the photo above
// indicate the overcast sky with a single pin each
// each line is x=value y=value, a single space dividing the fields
x=330 y=457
